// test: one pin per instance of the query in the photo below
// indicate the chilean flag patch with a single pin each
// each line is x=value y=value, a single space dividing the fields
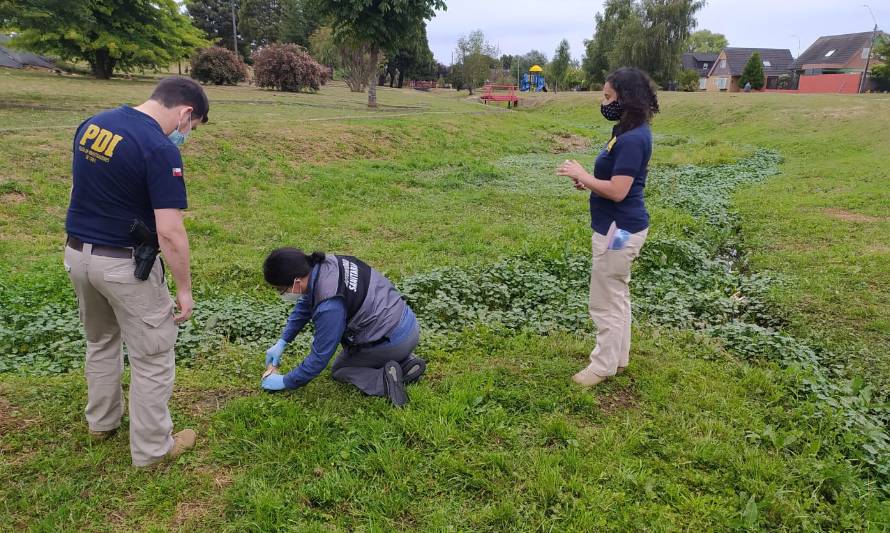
x=177 y=172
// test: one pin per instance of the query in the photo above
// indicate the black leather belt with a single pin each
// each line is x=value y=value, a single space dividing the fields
x=101 y=249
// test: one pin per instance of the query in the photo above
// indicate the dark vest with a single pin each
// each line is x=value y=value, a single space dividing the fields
x=373 y=305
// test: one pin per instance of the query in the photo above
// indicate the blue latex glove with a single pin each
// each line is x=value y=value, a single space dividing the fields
x=273 y=382
x=273 y=354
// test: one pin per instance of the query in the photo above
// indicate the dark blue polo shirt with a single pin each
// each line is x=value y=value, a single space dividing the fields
x=124 y=168
x=627 y=154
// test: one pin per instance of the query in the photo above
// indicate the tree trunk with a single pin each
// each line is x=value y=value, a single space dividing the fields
x=372 y=86
x=382 y=79
x=102 y=64
x=401 y=78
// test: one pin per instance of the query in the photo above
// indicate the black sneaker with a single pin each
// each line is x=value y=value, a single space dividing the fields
x=412 y=369
x=395 y=386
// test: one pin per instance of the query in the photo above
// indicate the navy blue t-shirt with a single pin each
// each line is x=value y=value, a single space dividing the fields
x=124 y=168
x=625 y=155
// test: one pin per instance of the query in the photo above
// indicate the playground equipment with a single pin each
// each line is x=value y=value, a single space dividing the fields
x=533 y=80
x=500 y=93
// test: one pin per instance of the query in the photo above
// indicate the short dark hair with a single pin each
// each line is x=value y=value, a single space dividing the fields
x=175 y=90
x=637 y=94
x=284 y=265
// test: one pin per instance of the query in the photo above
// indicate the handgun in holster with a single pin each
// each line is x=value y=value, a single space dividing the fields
x=147 y=249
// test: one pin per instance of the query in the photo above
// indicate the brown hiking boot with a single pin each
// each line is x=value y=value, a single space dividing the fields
x=182 y=442
x=100 y=436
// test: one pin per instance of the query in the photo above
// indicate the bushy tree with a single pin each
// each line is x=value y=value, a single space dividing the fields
x=107 y=34
x=649 y=34
x=287 y=67
x=375 y=26
x=707 y=41
x=689 y=80
x=219 y=66
x=557 y=69
x=475 y=59
x=522 y=63
x=412 y=59
x=881 y=72
x=753 y=73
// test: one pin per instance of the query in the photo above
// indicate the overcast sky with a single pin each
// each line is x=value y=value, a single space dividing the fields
x=517 y=26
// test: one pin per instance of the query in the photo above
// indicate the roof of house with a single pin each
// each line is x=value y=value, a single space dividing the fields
x=691 y=60
x=775 y=60
x=834 y=49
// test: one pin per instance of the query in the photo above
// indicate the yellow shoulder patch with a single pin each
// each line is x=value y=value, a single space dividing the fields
x=611 y=144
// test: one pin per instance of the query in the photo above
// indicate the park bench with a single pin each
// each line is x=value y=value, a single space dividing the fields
x=500 y=93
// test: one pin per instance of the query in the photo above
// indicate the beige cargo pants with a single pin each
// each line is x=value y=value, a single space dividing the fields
x=609 y=302
x=115 y=306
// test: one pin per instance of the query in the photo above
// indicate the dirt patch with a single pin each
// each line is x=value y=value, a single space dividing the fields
x=12 y=198
x=11 y=419
x=622 y=399
x=849 y=216
x=566 y=143
x=197 y=402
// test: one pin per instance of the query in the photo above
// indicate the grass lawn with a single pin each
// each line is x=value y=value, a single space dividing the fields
x=702 y=433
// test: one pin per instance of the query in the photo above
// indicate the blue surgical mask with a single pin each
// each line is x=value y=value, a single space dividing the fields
x=177 y=137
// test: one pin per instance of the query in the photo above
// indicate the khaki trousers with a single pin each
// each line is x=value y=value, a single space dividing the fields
x=609 y=302
x=116 y=307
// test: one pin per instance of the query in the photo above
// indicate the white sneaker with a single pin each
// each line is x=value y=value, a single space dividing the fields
x=588 y=378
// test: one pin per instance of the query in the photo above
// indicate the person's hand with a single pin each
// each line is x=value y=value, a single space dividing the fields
x=273 y=382
x=273 y=354
x=578 y=185
x=571 y=169
x=185 y=306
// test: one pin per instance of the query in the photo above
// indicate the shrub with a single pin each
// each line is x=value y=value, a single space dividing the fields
x=287 y=67
x=219 y=66
x=753 y=73
x=689 y=80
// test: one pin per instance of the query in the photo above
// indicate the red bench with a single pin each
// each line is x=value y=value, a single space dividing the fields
x=500 y=93
x=421 y=85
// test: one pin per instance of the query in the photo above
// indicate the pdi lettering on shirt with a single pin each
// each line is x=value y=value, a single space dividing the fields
x=104 y=141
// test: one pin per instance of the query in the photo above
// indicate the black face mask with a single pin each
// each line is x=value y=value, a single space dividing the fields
x=612 y=111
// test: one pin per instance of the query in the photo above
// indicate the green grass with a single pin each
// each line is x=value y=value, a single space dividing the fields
x=694 y=437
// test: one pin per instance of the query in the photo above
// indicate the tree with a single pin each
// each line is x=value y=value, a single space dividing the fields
x=412 y=58
x=558 y=68
x=287 y=67
x=475 y=58
x=616 y=15
x=753 y=73
x=649 y=34
x=522 y=63
x=689 y=80
x=300 y=20
x=376 y=25
x=214 y=17
x=706 y=41
x=219 y=66
x=881 y=73
x=107 y=34
x=323 y=49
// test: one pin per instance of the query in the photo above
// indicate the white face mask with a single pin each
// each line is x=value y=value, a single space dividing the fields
x=291 y=297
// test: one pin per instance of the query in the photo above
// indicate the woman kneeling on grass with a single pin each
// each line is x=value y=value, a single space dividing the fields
x=350 y=304
x=618 y=216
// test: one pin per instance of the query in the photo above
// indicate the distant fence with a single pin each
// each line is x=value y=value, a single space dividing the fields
x=826 y=84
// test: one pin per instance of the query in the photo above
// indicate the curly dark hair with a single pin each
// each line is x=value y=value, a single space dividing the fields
x=637 y=94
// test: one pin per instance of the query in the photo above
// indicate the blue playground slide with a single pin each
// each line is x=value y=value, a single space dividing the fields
x=540 y=83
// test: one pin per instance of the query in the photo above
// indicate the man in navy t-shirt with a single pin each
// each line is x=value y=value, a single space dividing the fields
x=127 y=167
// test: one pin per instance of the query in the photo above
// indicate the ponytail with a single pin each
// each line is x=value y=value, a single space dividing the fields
x=284 y=265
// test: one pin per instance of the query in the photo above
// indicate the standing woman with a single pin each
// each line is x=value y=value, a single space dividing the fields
x=618 y=216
